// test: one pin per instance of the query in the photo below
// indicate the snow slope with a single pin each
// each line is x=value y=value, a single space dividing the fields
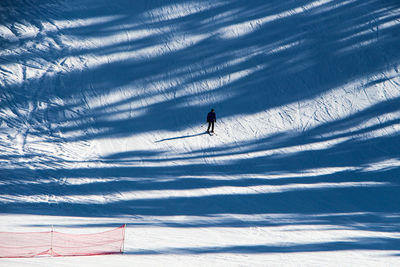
x=102 y=115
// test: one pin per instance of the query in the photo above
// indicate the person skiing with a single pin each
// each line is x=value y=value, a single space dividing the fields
x=211 y=118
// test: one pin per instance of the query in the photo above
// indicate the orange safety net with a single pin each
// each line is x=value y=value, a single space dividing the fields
x=52 y=243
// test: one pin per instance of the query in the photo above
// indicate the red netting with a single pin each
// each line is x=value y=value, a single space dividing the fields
x=24 y=245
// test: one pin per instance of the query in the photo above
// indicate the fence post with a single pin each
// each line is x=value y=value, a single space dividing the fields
x=123 y=240
x=51 y=245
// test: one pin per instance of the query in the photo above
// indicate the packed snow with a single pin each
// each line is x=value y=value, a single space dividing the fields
x=103 y=110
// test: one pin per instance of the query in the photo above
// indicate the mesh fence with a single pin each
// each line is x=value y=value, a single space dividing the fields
x=52 y=243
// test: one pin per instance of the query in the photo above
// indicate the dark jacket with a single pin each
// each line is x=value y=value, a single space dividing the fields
x=211 y=117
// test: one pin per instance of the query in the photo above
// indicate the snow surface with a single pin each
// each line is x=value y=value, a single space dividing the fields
x=102 y=115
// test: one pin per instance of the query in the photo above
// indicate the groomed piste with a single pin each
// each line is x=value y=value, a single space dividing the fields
x=103 y=109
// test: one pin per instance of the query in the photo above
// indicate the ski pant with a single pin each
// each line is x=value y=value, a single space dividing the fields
x=210 y=125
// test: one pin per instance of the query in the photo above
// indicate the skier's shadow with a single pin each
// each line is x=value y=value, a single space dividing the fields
x=180 y=137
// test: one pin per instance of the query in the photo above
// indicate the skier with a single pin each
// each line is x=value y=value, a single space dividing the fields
x=211 y=118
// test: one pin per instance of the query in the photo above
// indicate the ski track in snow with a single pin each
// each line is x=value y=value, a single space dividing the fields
x=102 y=122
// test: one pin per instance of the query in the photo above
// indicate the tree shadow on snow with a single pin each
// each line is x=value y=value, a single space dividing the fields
x=357 y=244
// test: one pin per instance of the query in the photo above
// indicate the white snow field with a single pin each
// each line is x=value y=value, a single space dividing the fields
x=102 y=119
